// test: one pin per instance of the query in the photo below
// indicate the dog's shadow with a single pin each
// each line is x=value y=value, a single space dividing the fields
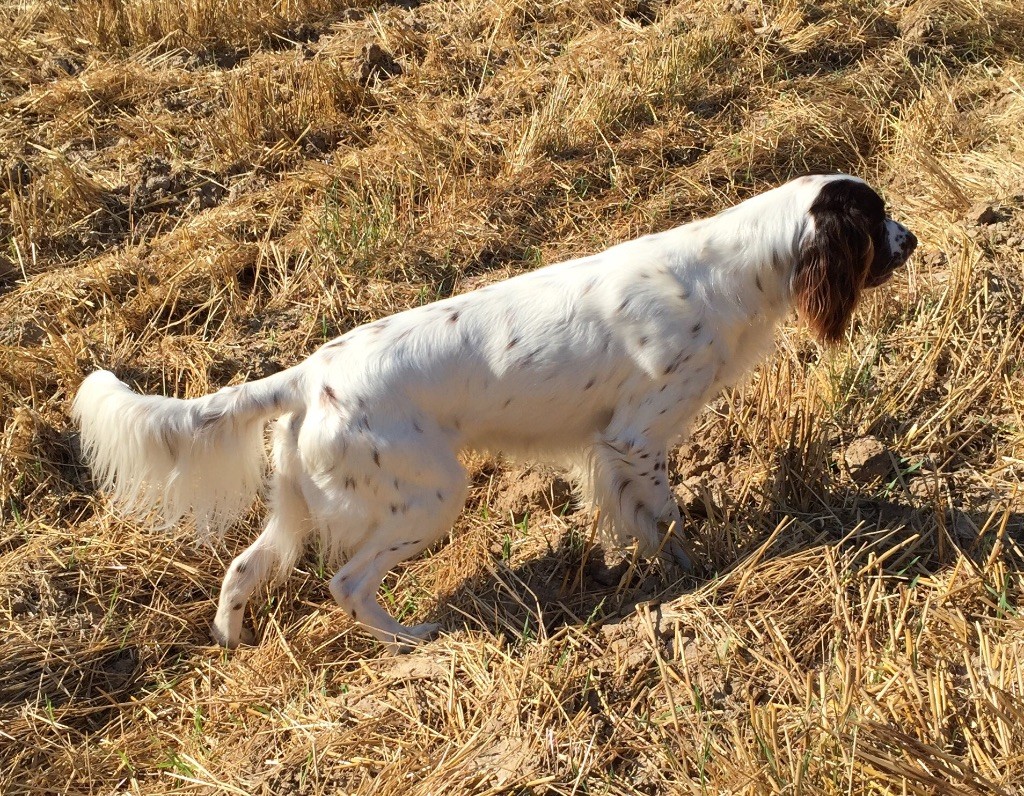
x=576 y=583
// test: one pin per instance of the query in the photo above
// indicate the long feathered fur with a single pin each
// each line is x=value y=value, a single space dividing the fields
x=201 y=459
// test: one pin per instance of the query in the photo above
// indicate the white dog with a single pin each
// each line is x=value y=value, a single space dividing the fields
x=597 y=364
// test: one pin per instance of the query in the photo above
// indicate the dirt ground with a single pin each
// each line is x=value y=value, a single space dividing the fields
x=198 y=193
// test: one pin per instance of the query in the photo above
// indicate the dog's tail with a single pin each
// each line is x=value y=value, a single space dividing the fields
x=201 y=458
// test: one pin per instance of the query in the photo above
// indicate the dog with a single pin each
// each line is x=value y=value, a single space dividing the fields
x=597 y=365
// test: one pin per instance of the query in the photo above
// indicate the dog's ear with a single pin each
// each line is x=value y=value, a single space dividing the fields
x=834 y=261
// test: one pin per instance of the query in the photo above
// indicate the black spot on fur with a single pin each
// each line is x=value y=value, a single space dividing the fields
x=376 y=457
x=695 y=329
x=350 y=482
x=453 y=318
x=589 y=384
x=240 y=567
x=236 y=607
x=527 y=361
x=757 y=281
x=512 y=343
x=642 y=341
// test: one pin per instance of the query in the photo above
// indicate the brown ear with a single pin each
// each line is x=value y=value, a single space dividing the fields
x=830 y=274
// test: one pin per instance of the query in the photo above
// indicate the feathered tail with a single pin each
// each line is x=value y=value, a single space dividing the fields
x=201 y=458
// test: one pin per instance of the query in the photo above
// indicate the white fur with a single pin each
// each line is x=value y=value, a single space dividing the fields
x=598 y=364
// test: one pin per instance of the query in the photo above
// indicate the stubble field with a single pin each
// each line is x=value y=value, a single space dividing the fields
x=198 y=193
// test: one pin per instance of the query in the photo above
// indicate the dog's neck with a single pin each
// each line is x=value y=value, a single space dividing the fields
x=755 y=249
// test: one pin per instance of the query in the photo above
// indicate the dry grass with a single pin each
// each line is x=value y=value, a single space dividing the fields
x=196 y=193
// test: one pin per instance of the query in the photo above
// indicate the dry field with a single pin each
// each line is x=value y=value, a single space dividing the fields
x=199 y=192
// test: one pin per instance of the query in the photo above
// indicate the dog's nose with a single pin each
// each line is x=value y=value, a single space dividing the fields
x=911 y=243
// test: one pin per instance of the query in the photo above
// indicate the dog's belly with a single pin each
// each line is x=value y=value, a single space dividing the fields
x=541 y=434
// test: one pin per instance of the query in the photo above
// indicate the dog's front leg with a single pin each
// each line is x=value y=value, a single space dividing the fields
x=628 y=481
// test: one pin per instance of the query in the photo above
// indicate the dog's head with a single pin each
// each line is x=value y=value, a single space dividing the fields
x=849 y=245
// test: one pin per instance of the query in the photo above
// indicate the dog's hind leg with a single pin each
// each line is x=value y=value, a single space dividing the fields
x=275 y=548
x=422 y=518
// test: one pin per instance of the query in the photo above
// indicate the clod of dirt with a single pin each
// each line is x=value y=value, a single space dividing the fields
x=377 y=63
x=59 y=67
x=9 y=272
x=16 y=173
x=867 y=460
x=161 y=188
x=922 y=489
x=964 y=528
x=423 y=666
x=699 y=495
x=606 y=566
x=984 y=214
x=520 y=494
x=504 y=759
x=933 y=258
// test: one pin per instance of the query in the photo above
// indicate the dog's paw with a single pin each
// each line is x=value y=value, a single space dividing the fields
x=675 y=554
x=673 y=550
x=245 y=636
x=412 y=637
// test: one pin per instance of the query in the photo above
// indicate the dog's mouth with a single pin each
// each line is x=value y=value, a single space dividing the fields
x=899 y=243
x=898 y=260
x=874 y=280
